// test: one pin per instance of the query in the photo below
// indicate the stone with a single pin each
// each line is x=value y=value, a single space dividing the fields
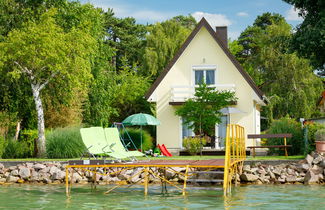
x=317 y=159
x=39 y=166
x=114 y=179
x=3 y=180
x=14 y=172
x=11 y=168
x=290 y=171
x=317 y=170
x=261 y=171
x=277 y=172
x=300 y=179
x=281 y=180
x=29 y=165
x=47 y=180
x=6 y=174
x=56 y=182
x=246 y=167
x=34 y=176
x=303 y=167
x=43 y=175
x=1 y=166
x=83 y=180
x=259 y=182
x=58 y=175
x=309 y=159
x=322 y=164
x=45 y=170
x=24 y=173
x=291 y=178
x=53 y=170
x=123 y=176
x=248 y=177
x=272 y=176
x=12 y=179
x=311 y=177
x=76 y=177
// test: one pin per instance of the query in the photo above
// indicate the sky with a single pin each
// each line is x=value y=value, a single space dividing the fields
x=236 y=14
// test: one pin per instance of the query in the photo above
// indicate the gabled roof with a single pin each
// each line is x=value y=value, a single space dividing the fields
x=203 y=23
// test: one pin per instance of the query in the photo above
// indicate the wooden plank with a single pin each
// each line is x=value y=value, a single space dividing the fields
x=278 y=135
x=270 y=146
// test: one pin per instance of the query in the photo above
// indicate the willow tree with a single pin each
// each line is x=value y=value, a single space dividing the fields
x=163 y=41
x=42 y=51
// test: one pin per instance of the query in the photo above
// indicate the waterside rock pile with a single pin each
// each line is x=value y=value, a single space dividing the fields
x=54 y=172
x=311 y=170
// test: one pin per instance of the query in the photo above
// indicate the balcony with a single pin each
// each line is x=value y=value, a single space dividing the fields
x=180 y=93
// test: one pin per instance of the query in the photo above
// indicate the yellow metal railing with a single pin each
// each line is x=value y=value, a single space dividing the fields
x=235 y=154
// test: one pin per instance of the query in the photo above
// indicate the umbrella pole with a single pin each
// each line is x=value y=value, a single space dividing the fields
x=141 y=138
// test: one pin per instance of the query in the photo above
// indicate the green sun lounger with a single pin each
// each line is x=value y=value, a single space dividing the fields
x=95 y=141
x=113 y=139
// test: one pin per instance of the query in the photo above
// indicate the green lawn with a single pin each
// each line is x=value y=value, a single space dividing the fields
x=296 y=157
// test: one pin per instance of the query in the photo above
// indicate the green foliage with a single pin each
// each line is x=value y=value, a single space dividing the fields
x=201 y=113
x=309 y=39
x=162 y=42
x=2 y=145
x=186 y=21
x=320 y=135
x=193 y=145
x=312 y=128
x=287 y=125
x=126 y=37
x=116 y=95
x=266 y=57
x=64 y=143
x=29 y=137
x=135 y=134
x=17 y=149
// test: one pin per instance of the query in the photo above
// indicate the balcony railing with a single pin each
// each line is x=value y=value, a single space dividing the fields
x=180 y=93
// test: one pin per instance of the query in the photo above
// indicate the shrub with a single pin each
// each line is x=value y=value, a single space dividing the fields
x=135 y=134
x=193 y=145
x=287 y=125
x=29 y=137
x=64 y=143
x=320 y=135
x=2 y=145
x=16 y=149
x=312 y=128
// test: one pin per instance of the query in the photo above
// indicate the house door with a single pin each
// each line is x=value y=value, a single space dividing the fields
x=221 y=130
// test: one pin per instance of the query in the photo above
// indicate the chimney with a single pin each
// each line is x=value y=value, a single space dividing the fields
x=221 y=32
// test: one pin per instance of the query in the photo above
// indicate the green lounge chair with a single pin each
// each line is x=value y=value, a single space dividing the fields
x=95 y=142
x=113 y=139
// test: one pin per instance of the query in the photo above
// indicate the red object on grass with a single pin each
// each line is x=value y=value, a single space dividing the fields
x=164 y=150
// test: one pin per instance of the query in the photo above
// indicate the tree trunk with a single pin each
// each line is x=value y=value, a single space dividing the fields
x=17 y=130
x=41 y=147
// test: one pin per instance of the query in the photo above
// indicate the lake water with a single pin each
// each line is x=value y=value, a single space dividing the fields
x=244 y=197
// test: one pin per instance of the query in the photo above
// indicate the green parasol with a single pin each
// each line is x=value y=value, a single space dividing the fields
x=141 y=119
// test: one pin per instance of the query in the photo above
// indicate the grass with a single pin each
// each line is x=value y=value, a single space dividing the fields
x=296 y=157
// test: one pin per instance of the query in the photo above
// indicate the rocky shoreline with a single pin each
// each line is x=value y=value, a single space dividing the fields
x=311 y=170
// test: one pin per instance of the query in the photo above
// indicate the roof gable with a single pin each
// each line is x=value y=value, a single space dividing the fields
x=204 y=23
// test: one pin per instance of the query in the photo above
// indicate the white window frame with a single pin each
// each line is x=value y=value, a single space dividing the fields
x=204 y=68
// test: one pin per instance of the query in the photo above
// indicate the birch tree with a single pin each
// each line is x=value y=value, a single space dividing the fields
x=42 y=52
